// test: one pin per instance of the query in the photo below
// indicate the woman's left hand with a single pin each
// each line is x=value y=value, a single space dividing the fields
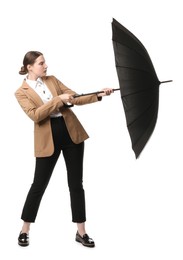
x=106 y=92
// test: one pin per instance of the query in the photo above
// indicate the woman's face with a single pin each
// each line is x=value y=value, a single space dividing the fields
x=38 y=69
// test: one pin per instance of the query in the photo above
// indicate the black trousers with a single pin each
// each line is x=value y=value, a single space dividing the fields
x=73 y=156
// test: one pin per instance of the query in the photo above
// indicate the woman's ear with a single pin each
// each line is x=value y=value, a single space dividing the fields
x=28 y=67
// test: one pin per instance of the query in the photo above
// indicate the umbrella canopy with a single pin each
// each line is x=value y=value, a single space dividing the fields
x=139 y=85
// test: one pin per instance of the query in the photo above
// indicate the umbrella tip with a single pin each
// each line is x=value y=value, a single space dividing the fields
x=166 y=81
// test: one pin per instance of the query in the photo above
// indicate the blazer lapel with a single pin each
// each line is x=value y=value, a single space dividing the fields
x=50 y=84
x=32 y=94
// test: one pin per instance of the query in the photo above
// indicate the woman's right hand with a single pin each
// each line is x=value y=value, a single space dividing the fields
x=66 y=98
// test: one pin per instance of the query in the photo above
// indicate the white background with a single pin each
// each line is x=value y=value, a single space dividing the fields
x=134 y=207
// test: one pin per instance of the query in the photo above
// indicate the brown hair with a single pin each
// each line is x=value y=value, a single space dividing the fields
x=29 y=59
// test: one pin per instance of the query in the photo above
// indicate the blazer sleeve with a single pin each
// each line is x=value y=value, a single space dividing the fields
x=82 y=100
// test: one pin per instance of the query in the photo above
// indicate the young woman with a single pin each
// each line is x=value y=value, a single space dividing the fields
x=45 y=100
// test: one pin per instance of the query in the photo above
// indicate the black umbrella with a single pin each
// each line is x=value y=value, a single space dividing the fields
x=139 y=85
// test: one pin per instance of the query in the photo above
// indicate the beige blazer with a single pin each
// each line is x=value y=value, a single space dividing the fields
x=39 y=112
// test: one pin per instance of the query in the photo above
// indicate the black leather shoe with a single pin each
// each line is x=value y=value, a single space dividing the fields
x=23 y=239
x=85 y=240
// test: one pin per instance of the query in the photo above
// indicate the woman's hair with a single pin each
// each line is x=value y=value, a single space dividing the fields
x=29 y=59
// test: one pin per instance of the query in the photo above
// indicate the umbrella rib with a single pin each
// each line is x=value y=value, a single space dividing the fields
x=141 y=114
x=139 y=91
x=148 y=59
x=155 y=117
x=130 y=68
x=130 y=34
x=134 y=144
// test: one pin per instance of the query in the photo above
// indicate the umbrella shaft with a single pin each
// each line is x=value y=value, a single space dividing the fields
x=92 y=93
